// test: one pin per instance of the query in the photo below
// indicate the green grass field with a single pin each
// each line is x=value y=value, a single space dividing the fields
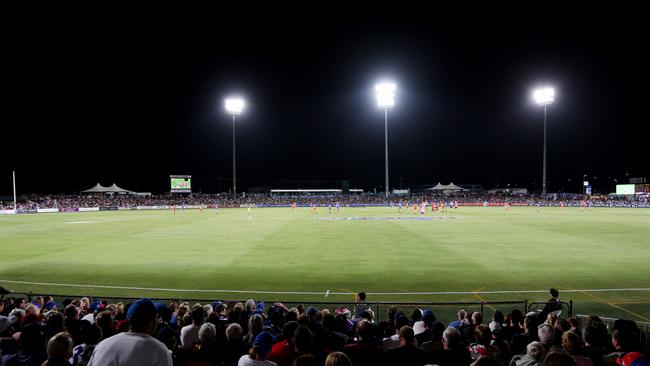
x=472 y=250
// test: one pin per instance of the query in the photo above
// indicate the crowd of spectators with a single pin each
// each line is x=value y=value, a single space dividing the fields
x=43 y=331
x=223 y=200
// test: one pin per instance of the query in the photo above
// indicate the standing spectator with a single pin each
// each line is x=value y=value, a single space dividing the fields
x=259 y=352
x=190 y=333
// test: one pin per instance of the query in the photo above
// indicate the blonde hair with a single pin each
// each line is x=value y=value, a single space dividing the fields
x=60 y=346
x=338 y=359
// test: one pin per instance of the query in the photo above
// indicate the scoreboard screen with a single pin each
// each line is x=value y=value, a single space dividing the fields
x=180 y=183
x=625 y=189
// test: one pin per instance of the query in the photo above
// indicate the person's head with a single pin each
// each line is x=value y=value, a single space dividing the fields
x=364 y=329
x=498 y=317
x=571 y=343
x=197 y=315
x=32 y=338
x=329 y=322
x=530 y=324
x=596 y=334
x=337 y=359
x=546 y=335
x=406 y=336
x=451 y=338
x=306 y=360
x=250 y=305
x=535 y=351
x=90 y=333
x=483 y=334
x=559 y=359
x=477 y=318
x=516 y=317
x=361 y=296
x=428 y=318
x=168 y=337
x=32 y=309
x=234 y=332
x=574 y=323
x=20 y=303
x=207 y=333
x=71 y=312
x=554 y=293
x=142 y=317
x=462 y=315
x=261 y=346
x=60 y=346
x=551 y=318
x=255 y=325
x=302 y=340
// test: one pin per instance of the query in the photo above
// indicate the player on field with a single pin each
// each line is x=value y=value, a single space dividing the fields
x=338 y=207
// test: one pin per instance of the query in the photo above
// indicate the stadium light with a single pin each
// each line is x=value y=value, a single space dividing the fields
x=234 y=106
x=385 y=93
x=544 y=97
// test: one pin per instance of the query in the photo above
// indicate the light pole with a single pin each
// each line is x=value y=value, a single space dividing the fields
x=234 y=106
x=385 y=93
x=544 y=97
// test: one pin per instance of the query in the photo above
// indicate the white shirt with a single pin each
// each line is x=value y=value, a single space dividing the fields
x=189 y=335
x=246 y=360
x=126 y=349
x=89 y=317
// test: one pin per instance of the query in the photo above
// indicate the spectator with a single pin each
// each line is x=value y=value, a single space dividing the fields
x=394 y=340
x=59 y=350
x=283 y=352
x=462 y=319
x=32 y=350
x=190 y=333
x=407 y=353
x=234 y=348
x=367 y=350
x=427 y=323
x=337 y=359
x=255 y=326
x=534 y=356
x=553 y=305
x=136 y=347
x=547 y=337
x=519 y=341
x=360 y=305
x=90 y=335
x=559 y=359
x=482 y=347
x=467 y=331
x=572 y=344
x=259 y=352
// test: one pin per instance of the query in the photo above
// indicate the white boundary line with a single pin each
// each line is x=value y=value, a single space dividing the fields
x=321 y=292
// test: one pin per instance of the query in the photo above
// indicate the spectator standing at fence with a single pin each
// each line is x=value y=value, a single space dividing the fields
x=360 y=305
x=553 y=305
x=136 y=347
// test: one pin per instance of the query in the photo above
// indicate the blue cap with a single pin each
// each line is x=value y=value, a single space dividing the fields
x=141 y=306
x=311 y=311
x=50 y=305
x=259 y=308
x=264 y=342
x=160 y=306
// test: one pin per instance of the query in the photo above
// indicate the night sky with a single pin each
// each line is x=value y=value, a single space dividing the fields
x=133 y=103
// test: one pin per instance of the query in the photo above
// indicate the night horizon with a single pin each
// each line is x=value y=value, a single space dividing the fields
x=131 y=107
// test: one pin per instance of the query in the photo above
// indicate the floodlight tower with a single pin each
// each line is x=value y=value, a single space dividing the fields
x=385 y=93
x=544 y=97
x=234 y=106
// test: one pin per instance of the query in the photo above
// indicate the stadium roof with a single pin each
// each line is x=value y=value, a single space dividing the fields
x=98 y=188
x=445 y=187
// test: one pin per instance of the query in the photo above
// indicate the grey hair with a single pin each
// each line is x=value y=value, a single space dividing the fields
x=207 y=333
x=546 y=334
x=535 y=350
x=250 y=305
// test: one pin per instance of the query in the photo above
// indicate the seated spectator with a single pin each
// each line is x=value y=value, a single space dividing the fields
x=234 y=348
x=136 y=347
x=462 y=319
x=572 y=344
x=407 y=353
x=435 y=344
x=368 y=350
x=559 y=359
x=467 y=331
x=514 y=324
x=534 y=356
x=519 y=341
x=306 y=360
x=337 y=359
x=259 y=352
x=90 y=335
x=427 y=322
x=394 y=340
x=482 y=347
x=283 y=352
x=595 y=334
x=59 y=350
x=453 y=351
x=547 y=337
x=31 y=347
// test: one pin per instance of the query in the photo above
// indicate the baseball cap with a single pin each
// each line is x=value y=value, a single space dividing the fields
x=264 y=341
x=140 y=307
